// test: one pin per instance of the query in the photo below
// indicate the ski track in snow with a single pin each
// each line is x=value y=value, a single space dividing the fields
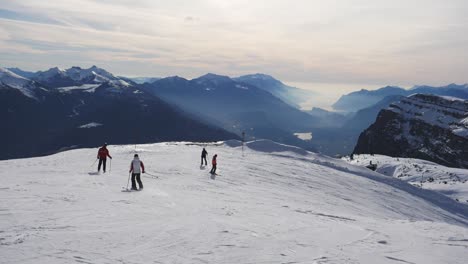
x=275 y=207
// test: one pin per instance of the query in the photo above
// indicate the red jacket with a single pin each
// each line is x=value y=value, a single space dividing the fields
x=103 y=153
x=214 y=160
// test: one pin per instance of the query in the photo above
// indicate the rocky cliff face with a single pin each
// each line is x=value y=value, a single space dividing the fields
x=421 y=126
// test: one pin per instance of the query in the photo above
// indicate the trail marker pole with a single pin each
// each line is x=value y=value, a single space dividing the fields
x=243 y=142
x=422 y=179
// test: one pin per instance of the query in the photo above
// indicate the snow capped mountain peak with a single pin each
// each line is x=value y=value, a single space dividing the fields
x=20 y=72
x=77 y=76
x=57 y=69
x=13 y=80
x=93 y=73
x=5 y=73
x=50 y=73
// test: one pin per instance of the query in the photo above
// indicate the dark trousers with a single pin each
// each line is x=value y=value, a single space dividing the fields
x=213 y=170
x=102 y=161
x=204 y=158
x=137 y=176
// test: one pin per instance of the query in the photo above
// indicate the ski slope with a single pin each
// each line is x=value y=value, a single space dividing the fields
x=452 y=182
x=272 y=204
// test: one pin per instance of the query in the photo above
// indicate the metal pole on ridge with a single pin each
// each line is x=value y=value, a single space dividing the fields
x=243 y=142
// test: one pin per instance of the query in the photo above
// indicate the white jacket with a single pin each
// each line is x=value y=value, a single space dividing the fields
x=136 y=164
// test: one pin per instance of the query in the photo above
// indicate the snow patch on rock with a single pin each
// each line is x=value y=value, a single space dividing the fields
x=91 y=88
x=90 y=125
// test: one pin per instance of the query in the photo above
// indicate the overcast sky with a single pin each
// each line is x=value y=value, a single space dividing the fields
x=398 y=42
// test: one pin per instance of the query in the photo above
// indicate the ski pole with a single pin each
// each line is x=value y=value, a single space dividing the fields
x=151 y=175
x=128 y=179
x=110 y=167
x=94 y=162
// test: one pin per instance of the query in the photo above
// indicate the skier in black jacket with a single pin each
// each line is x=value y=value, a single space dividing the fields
x=203 y=157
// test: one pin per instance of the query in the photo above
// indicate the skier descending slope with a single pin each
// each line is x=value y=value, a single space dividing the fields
x=214 y=163
x=102 y=155
x=135 y=170
x=203 y=157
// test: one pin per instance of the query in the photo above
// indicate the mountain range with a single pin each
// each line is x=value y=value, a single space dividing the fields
x=42 y=119
x=236 y=106
x=364 y=98
x=67 y=106
x=79 y=107
x=56 y=77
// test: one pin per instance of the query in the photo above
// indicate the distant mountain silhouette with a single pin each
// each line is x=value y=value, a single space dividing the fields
x=236 y=106
x=361 y=99
x=50 y=119
x=328 y=118
x=288 y=94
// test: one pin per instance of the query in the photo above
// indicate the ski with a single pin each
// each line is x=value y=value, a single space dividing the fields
x=124 y=189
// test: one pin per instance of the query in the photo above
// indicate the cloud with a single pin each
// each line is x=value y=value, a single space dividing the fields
x=23 y=16
x=363 y=41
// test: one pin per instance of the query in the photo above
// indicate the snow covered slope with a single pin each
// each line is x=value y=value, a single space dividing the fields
x=274 y=204
x=452 y=182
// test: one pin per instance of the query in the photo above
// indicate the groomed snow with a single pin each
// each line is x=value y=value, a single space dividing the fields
x=270 y=205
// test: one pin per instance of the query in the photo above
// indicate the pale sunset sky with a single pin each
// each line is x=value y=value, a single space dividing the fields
x=325 y=45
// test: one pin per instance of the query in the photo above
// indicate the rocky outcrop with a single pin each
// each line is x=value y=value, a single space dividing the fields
x=421 y=126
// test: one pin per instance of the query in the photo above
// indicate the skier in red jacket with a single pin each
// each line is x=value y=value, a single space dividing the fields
x=102 y=155
x=214 y=163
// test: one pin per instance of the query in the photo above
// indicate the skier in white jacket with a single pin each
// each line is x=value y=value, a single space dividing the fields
x=135 y=170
